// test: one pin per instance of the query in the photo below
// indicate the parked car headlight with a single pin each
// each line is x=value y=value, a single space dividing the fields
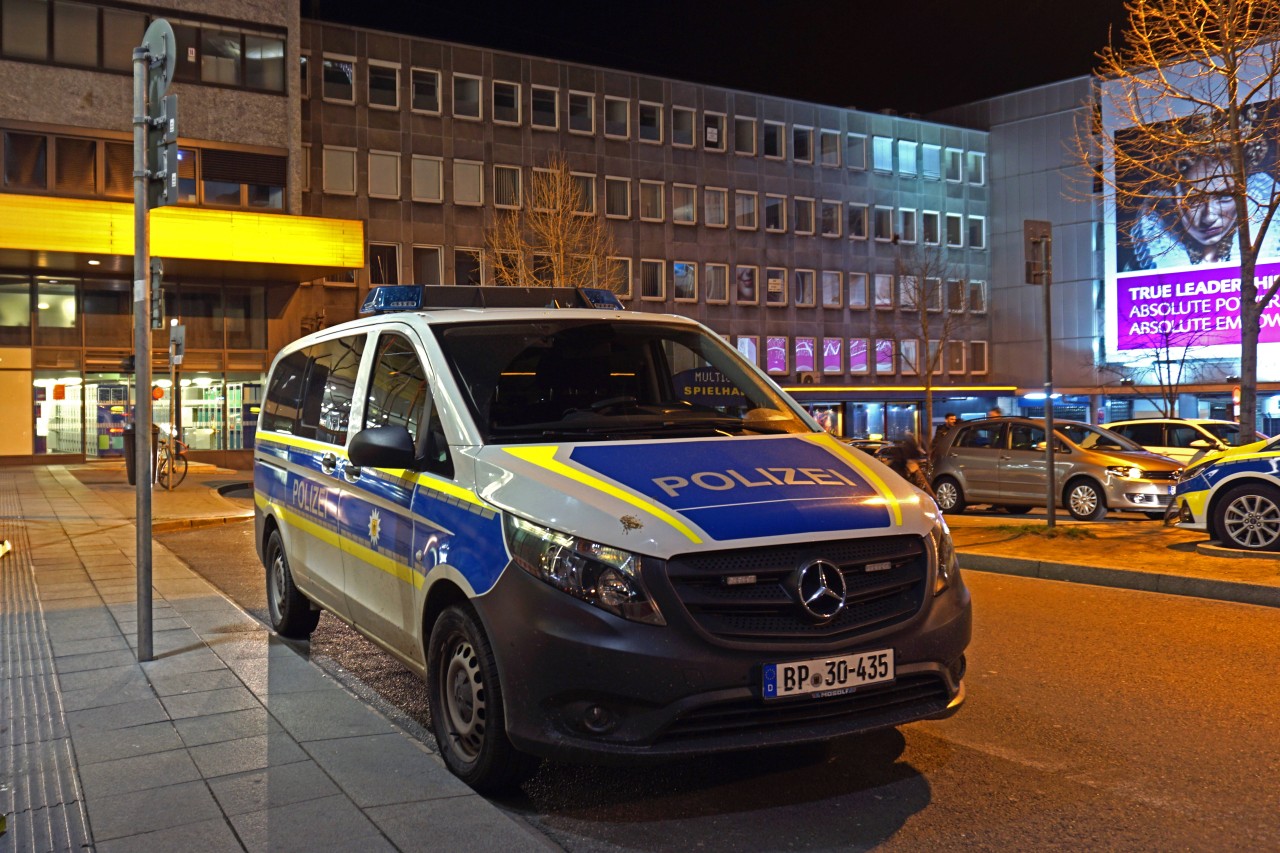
x=602 y=575
x=1125 y=472
x=945 y=551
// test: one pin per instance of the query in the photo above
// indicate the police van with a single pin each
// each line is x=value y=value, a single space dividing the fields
x=596 y=534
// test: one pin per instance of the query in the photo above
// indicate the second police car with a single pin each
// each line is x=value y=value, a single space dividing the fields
x=598 y=535
x=1234 y=496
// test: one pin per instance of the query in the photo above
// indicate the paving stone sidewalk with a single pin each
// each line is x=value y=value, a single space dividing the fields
x=229 y=740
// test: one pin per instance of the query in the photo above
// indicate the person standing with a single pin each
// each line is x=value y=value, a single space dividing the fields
x=994 y=412
x=949 y=421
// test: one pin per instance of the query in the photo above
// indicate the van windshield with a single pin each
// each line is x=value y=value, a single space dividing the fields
x=590 y=380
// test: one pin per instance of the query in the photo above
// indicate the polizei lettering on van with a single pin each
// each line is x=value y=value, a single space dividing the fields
x=719 y=481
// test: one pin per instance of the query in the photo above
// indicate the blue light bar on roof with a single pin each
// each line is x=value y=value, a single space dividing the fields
x=392 y=297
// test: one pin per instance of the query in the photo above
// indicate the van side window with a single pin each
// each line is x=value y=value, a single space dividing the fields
x=330 y=386
x=399 y=395
x=283 y=404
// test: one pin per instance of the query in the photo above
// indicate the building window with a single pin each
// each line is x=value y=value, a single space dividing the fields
x=506 y=102
x=829 y=147
x=857 y=290
x=956 y=356
x=829 y=218
x=857 y=221
x=426 y=179
x=384 y=86
x=833 y=355
x=506 y=186
x=907 y=157
x=885 y=351
x=26 y=161
x=617 y=198
x=977 y=297
x=884 y=291
x=832 y=289
x=746 y=210
x=749 y=348
x=653 y=280
x=955 y=295
x=426 y=90
x=978 y=357
x=716 y=278
x=802 y=144
x=930 y=227
x=744 y=135
x=585 y=186
x=775 y=213
x=931 y=161
x=747 y=291
x=617 y=118
x=304 y=75
x=306 y=167
x=651 y=207
x=774 y=142
x=467 y=270
x=883 y=224
x=907 y=226
x=976 y=165
x=682 y=127
x=75 y=33
x=804 y=216
x=620 y=276
x=384 y=174
x=933 y=294
x=909 y=295
x=339 y=170
x=775 y=354
x=426 y=265
x=582 y=112
x=544 y=107
x=650 y=122
x=775 y=286
x=804 y=292
x=684 y=281
x=909 y=352
x=715 y=203
x=713 y=131
x=384 y=263
x=977 y=232
x=882 y=153
x=855 y=151
x=858 y=363
x=466 y=97
x=953 y=164
x=684 y=204
x=468 y=182
x=339 y=73
x=955 y=239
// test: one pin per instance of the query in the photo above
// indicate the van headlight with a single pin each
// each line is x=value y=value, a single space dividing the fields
x=945 y=552
x=598 y=574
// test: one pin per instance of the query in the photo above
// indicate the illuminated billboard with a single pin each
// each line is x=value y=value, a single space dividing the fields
x=1172 y=272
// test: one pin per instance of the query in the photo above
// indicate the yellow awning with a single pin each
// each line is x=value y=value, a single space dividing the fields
x=45 y=225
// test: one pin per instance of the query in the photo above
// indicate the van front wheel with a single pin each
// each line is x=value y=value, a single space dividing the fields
x=465 y=698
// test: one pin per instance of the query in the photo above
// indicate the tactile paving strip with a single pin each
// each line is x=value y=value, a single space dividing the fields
x=39 y=791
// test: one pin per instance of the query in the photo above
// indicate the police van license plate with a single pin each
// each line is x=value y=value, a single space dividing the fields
x=827 y=676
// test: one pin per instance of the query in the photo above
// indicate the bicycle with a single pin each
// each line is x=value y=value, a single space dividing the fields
x=171 y=462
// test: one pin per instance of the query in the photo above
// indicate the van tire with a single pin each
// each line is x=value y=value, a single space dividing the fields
x=289 y=611
x=1085 y=500
x=948 y=495
x=465 y=699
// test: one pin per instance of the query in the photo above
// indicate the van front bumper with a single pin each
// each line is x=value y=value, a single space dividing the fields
x=584 y=685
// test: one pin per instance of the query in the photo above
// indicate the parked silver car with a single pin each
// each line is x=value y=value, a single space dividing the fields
x=1001 y=461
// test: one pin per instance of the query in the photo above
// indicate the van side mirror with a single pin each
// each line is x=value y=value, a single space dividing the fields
x=382 y=447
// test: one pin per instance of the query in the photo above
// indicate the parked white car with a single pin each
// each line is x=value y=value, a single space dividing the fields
x=1180 y=438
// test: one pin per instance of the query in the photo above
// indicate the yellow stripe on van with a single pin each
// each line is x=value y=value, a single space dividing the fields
x=302 y=443
x=544 y=457
x=882 y=488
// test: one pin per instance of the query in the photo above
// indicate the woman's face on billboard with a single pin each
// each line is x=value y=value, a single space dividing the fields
x=1209 y=214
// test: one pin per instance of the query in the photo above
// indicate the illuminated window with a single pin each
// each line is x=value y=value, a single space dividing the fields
x=907 y=157
x=931 y=161
x=882 y=154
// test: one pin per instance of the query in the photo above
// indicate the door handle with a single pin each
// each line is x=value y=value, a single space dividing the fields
x=328 y=463
x=351 y=473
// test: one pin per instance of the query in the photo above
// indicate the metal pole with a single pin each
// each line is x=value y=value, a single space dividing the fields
x=173 y=408
x=142 y=351
x=1046 y=257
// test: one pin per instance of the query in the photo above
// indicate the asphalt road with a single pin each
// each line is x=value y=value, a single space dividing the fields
x=1097 y=718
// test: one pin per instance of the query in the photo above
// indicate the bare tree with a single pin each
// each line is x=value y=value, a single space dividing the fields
x=554 y=238
x=1166 y=364
x=931 y=294
x=1193 y=86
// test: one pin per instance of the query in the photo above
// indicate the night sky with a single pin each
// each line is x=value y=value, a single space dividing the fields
x=912 y=56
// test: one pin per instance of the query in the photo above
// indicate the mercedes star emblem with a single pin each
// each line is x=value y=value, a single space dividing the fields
x=820 y=590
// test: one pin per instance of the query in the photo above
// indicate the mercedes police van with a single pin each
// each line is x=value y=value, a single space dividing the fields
x=597 y=534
